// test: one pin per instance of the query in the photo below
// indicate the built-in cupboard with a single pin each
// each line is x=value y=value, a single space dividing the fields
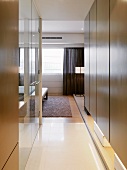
x=118 y=78
x=93 y=60
x=102 y=39
x=87 y=64
x=106 y=71
x=9 y=85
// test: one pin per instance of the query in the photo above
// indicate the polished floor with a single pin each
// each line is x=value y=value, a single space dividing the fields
x=64 y=144
x=107 y=153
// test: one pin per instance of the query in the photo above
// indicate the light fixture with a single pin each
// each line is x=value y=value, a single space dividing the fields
x=79 y=70
x=82 y=69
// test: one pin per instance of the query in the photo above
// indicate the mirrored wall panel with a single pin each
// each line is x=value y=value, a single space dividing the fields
x=28 y=79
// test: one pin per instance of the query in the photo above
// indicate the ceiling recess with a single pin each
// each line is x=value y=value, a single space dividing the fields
x=52 y=38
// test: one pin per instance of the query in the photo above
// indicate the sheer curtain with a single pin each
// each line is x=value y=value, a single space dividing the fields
x=73 y=57
x=52 y=70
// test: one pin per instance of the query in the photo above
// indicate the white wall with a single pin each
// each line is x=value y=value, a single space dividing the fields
x=68 y=40
x=54 y=82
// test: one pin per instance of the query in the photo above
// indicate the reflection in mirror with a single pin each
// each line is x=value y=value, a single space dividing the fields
x=21 y=74
x=28 y=76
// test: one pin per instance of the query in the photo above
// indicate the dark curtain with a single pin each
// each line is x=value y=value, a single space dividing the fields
x=73 y=57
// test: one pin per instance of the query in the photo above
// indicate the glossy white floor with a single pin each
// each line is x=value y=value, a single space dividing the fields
x=64 y=144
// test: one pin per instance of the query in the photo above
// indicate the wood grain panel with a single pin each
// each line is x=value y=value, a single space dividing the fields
x=8 y=78
x=118 y=78
x=103 y=66
x=87 y=63
x=93 y=60
x=13 y=162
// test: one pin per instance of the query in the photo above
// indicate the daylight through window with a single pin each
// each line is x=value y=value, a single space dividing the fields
x=52 y=61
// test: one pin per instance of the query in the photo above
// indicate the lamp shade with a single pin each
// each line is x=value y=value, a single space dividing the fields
x=82 y=69
x=77 y=70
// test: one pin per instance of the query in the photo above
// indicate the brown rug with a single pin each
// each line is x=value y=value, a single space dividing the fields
x=57 y=106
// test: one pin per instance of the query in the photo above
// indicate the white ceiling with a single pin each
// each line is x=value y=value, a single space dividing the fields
x=63 y=9
x=66 y=16
x=58 y=16
x=63 y=26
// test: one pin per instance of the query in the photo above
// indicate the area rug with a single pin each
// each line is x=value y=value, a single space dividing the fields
x=57 y=106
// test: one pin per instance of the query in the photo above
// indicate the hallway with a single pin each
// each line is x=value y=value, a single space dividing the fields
x=64 y=144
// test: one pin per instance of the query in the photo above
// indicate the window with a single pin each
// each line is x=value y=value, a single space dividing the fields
x=52 y=61
x=32 y=60
x=21 y=60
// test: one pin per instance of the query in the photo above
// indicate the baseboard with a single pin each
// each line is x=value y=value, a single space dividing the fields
x=101 y=136
x=118 y=165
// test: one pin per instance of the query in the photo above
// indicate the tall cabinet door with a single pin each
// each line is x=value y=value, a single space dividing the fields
x=8 y=80
x=93 y=60
x=87 y=64
x=103 y=66
x=118 y=78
